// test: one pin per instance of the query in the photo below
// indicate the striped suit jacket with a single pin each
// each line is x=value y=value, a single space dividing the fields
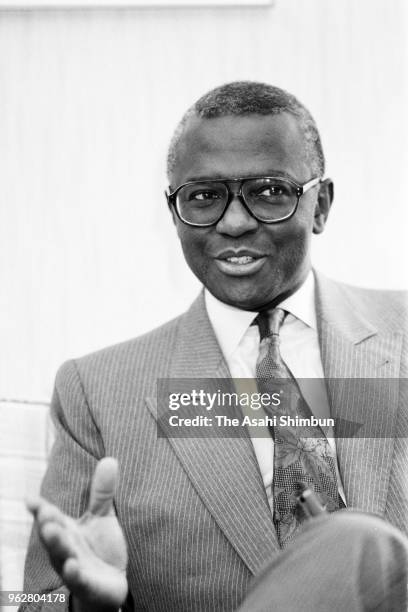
x=194 y=511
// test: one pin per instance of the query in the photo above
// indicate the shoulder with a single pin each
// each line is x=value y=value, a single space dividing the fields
x=382 y=307
x=142 y=357
x=381 y=300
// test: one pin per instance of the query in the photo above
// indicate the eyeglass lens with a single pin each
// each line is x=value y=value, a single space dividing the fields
x=268 y=199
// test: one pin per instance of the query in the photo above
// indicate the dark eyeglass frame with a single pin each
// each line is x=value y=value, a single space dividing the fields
x=300 y=190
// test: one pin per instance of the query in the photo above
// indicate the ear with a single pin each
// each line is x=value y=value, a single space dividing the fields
x=323 y=204
x=170 y=207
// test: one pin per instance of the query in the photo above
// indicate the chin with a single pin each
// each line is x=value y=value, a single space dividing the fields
x=249 y=293
x=242 y=300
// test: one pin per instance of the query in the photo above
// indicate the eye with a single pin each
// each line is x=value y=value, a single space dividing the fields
x=204 y=196
x=271 y=191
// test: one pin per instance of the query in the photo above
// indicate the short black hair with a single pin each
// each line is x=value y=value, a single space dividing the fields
x=249 y=98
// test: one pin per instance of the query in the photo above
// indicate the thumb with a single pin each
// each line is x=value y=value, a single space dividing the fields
x=103 y=487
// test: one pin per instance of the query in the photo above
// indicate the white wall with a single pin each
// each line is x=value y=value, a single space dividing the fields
x=88 y=101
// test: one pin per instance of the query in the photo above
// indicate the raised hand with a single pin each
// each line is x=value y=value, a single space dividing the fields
x=90 y=553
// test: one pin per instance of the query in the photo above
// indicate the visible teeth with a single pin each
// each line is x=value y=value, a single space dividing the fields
x=241 y=260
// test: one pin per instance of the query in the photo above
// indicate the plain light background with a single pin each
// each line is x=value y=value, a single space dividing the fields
x=88 y=102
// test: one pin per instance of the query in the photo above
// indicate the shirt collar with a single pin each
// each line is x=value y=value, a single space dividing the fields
x=230 y=323
x=301 y=304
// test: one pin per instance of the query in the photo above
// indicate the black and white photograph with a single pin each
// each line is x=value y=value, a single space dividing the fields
x=203 y=306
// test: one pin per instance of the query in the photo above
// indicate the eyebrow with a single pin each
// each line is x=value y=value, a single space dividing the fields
x=222 y=177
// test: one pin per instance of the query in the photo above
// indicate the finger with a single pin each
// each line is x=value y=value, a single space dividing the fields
x=103 y=586
x=78 y=584
x=47 y=512
x=71 y=574
x=103 y=487
x=58 y=543
x=32 y=504
x=43 y=511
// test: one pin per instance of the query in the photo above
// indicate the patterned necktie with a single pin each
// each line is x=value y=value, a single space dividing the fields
x=302 y=455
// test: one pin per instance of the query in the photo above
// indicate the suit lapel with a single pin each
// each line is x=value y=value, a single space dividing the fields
x=224 y=471
x=353 y=348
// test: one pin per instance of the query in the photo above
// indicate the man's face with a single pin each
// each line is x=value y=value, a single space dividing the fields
x=233 y=147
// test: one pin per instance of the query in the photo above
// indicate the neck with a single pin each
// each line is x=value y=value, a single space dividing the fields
x=282 y=296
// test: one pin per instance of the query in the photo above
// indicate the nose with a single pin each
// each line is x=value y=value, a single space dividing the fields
x=236 y=219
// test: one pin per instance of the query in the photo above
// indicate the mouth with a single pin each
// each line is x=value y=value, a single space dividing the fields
x=239 y=264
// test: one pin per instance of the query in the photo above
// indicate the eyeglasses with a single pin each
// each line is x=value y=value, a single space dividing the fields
x=268 y=199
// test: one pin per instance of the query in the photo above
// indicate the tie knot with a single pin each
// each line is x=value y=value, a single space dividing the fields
x=269 y=323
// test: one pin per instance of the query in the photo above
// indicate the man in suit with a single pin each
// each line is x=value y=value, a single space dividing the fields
x=199 y=515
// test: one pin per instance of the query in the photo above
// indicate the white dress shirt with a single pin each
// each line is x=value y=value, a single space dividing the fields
x=299 y=346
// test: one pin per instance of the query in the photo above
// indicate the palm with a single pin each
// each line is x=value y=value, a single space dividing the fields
x=103 y=539
x=101 y=558
x=90 y=553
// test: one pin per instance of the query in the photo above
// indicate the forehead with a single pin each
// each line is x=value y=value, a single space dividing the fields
x=241 y=146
